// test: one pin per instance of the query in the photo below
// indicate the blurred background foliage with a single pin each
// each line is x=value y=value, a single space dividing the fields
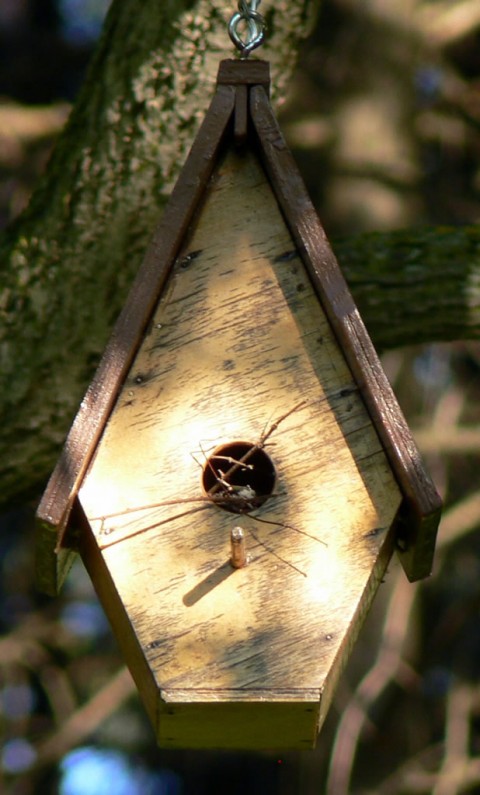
x=384 y=120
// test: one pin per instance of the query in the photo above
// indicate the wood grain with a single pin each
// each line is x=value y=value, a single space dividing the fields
x=420 y=513
x=239 y=328
x=233 y=72
x=237 y=340
x=56 y=504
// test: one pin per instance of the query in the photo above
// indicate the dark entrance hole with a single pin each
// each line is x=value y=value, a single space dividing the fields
x=256 y=477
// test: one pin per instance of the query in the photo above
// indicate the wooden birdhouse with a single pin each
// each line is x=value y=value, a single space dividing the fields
x=239 y=390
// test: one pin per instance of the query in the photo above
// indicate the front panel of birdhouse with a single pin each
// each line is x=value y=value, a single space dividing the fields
x=238 y=350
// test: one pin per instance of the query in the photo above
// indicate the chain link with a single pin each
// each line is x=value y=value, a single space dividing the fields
x=247 y=16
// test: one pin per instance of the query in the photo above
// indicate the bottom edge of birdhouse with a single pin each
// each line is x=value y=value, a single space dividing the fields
x=235 y=720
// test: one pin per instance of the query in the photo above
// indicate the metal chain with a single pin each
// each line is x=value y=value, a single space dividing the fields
x=248 y=15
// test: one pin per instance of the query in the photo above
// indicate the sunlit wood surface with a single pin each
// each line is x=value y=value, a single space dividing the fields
x=244 y=657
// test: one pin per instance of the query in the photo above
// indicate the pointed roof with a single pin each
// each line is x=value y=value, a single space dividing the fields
x=240 y=107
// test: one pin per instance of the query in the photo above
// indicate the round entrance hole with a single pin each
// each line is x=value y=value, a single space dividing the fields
x=251 y=482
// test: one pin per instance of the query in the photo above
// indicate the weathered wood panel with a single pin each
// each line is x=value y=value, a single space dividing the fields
x=238 y=340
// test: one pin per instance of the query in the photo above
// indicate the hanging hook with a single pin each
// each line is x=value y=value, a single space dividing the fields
x=247 y=14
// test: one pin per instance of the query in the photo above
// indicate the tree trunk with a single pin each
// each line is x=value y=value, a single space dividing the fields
x=68 y=261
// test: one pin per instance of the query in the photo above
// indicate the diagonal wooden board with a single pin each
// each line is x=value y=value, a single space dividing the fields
x=238 y=339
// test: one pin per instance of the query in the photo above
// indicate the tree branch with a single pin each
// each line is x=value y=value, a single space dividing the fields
x=415 y=286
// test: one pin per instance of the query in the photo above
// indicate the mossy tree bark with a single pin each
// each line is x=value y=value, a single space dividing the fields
x=68 y=261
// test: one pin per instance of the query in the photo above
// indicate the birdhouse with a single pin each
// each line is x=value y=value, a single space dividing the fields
x=239 y=472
